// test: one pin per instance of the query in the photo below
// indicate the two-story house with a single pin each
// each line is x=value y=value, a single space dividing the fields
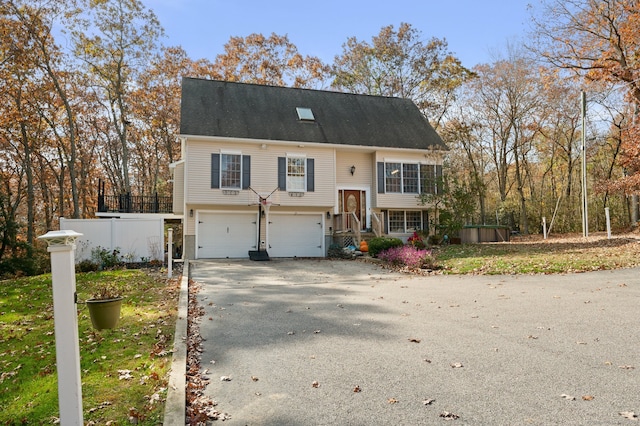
x=283 y=169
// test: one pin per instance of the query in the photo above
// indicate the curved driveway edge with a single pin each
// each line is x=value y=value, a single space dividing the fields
x=321 y=342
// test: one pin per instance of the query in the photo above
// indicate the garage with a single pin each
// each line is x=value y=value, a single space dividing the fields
x=225 y=234
x=296 y=235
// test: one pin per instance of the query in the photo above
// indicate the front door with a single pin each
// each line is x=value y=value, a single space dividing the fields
x=352 y=203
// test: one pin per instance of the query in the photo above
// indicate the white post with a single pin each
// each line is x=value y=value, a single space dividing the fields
x=585 y=213
x=170 y=253
x=65 y=315
x=606 y=214
x=544 y=227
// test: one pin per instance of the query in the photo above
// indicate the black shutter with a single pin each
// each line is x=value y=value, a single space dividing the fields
x=310 y=175
x=380 y=178
x=246 y=171
x=439 y=181
x=386 y=221
x=215 y=170
x=282 y=173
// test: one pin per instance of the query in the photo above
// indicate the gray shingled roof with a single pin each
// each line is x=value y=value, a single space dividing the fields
x=240 y=110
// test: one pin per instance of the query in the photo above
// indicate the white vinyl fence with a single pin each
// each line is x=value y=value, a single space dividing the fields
x=136 y=239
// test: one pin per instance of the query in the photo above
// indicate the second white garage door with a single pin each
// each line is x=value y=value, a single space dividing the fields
x=223 y=234
x=296 y=235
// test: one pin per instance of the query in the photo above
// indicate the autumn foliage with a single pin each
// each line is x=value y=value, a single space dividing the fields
x=90 y=92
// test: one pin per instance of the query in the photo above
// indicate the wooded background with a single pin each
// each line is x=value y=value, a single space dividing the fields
x=88 y=91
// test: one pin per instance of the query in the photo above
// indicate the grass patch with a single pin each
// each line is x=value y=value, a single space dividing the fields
x=551 y=256
x=139 y=345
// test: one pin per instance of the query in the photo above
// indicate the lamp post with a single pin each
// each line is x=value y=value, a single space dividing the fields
x=62 y=245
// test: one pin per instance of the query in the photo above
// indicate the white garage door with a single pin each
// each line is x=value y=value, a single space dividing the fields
x=296 y=235
x=222 y=235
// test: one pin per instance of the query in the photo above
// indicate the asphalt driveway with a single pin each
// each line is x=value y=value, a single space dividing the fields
x=320 y=342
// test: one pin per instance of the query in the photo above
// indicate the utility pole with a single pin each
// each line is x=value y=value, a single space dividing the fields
x=634 y=197
x=585 y=213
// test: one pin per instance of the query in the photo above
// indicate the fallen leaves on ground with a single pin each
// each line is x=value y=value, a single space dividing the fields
x=200 y=408
x=532 y=254
x=629 y=415
x=124 y=375
x=449 y=416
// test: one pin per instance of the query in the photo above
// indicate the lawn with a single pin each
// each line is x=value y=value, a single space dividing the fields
x=124 y=370
x=534 y=255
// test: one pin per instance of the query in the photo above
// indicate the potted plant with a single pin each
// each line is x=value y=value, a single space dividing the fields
x=104 y=307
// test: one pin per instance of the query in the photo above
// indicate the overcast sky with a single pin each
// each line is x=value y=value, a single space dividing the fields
x=474 y=29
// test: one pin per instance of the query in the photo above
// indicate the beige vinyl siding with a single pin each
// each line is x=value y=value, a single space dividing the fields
x=399 y=201
x=178 y=189
x=264 y=174
x=363 y=176
x=324 y=171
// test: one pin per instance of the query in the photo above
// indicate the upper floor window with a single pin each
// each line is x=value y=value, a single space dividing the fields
x=393 y=177
x=230 y=171
x=409 y=178
x=296 y=173
x=431 y=178
x=296 y=167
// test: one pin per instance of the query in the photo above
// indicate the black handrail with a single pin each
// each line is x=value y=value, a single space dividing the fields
x=127 y=203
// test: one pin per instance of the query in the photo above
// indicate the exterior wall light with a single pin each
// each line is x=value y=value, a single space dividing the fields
x=352 y=170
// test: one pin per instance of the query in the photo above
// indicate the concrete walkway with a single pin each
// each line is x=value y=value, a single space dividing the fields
x=319 y=342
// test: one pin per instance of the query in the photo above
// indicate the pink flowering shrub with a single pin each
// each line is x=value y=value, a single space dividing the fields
x=408 y=255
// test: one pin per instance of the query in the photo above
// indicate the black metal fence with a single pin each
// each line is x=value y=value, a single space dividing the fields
x=127 y=203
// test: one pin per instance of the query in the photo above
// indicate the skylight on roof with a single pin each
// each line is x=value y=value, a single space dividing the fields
x=305 y=114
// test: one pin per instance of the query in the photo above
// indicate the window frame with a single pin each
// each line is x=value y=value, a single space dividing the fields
x=415 y=178
x=224 y=179
x=389 y=169
x=409 y=181
x=300 y=176
x=405 y=228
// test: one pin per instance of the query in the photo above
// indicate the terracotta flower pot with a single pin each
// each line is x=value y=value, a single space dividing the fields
x=104 y=313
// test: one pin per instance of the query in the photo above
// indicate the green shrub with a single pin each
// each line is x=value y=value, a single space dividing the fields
x=378 y=244
x=106 y=259
x=27 y=261
x=433 y=240
x=87 y=266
